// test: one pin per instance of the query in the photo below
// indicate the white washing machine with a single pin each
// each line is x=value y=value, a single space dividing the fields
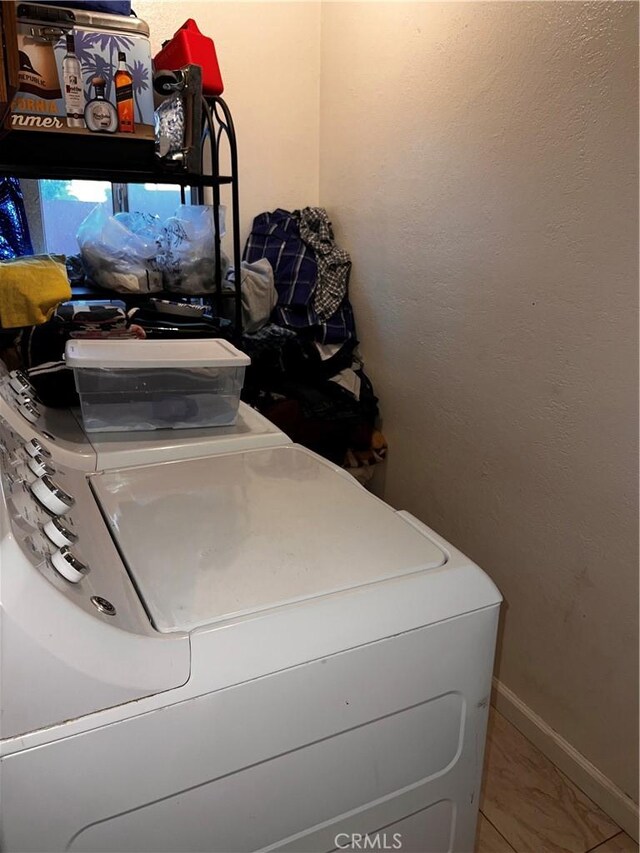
x=241 y=651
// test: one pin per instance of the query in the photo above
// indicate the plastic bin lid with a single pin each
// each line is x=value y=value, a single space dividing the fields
x=146 y=355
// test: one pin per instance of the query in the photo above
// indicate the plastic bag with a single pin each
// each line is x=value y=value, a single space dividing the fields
x=119 y=252
x=187 y=250
x=178 y=119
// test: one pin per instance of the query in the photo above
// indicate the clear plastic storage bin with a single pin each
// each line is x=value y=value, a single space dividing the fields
x=145 y=385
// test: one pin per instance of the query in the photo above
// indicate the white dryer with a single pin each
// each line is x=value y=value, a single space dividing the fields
x=239 y=652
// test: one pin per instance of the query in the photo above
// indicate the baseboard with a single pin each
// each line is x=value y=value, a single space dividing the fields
x=573 y=764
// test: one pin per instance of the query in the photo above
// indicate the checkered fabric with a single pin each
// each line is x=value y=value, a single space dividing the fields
x=334 y=264
x=276 y=236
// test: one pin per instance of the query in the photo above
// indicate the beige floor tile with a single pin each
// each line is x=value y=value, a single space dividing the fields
x=534 y=806
x=489 y=840
x=618 y=844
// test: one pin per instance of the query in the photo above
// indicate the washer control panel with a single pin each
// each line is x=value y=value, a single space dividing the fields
x=43 y=427
x=54 y=517
x=39 y=507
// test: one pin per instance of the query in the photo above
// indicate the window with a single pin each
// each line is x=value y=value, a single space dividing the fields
x=161 y=199
x=64 y=204
x=55 y=209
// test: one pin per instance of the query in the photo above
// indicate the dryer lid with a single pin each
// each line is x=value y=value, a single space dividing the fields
x=212 y=538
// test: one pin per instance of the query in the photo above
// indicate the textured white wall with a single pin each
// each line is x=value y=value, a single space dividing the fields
x=269 y=57
x=479 y=161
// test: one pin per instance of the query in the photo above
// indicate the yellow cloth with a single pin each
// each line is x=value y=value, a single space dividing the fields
x=30 y=289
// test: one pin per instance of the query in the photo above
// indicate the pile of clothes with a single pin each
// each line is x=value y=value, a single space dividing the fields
x=306 y=374
x=40 y=349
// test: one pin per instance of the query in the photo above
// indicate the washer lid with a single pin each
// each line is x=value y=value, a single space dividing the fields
x=210 y=538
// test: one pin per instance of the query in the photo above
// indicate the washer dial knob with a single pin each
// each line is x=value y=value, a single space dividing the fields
x=28 y=410
x=39 y=467
x=68 y=566
x=34 y=448
x=57 y=533
x=19 y=382
x=52 y=497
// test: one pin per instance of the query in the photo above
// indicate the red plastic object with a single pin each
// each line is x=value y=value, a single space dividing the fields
x=190 y=47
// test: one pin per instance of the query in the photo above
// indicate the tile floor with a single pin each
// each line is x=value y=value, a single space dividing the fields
x=528 y=806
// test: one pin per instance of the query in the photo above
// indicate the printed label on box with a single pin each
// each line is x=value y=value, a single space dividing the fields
x=84 y=81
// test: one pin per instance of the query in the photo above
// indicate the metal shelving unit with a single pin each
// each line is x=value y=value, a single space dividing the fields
x=119 y=159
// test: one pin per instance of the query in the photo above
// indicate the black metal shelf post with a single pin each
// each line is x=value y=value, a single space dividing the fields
x=216 y=112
